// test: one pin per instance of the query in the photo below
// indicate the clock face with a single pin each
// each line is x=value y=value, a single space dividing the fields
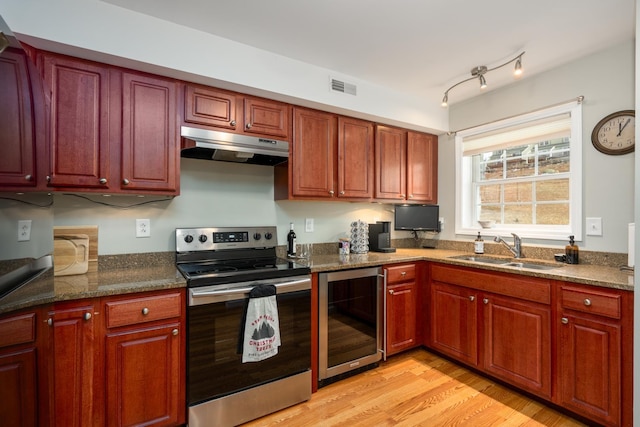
x=615 y=134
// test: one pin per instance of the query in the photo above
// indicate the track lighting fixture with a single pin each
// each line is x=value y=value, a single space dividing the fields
x=479 y=72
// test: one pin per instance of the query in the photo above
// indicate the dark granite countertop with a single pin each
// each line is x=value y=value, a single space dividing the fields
x=138 y=276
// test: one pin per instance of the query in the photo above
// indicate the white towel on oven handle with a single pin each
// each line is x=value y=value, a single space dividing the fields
x=262 y=326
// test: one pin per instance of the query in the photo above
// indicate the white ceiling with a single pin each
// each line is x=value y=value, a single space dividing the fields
x=420 y=47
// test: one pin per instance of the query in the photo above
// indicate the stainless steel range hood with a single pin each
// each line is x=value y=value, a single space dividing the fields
x=230 y=147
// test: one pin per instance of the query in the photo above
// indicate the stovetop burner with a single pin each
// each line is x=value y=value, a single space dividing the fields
x=210 y=256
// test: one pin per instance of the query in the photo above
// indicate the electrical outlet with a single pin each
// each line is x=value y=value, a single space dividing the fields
x=441 y=220
x=24 y=230
x=308 y=225
x=143 y=228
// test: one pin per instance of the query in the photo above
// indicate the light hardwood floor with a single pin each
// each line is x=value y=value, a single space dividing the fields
x=416 y=388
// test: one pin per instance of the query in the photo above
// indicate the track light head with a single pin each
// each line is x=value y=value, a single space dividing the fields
x=479 y=72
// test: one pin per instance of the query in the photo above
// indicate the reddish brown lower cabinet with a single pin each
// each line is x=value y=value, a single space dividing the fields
x=499 y=323
x=401 y=308
x=144 y=361
x=454 y=322
x=517 y=342
x=594 y=353
x=18 y=370
x=74 y=365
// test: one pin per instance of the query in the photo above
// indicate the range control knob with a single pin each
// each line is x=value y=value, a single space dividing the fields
x=188 y=238
x=268 y=235
x=257 y=236
x=202 y=238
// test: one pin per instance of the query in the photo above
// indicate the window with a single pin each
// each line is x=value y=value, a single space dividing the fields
x=525 y=173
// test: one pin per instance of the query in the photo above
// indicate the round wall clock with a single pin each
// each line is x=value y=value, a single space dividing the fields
x=616 y=133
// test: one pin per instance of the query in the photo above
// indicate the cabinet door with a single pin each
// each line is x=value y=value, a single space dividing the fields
x=454 y=322
x=210 y=107
x=313 y=153
x=390 y=164
x=355 y=158
x=79 y=122
x=265 y=117
x=143 y=376
x=150 y=143
x=422 y=167
x=18 y=405
x=590 y=368
x=401 y=317
x=517 y=342
x=73 y=367
x=17 y=132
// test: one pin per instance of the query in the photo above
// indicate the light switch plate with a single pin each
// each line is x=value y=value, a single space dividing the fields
x=594 y=226
x=308 y=225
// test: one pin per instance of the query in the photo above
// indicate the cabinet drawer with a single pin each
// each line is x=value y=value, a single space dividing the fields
x=594 y=302
x=143 y=309
x=18 y=330
x=401 y=273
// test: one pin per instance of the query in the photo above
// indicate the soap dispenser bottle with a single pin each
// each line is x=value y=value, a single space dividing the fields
x=572 y=252
x=478 y=245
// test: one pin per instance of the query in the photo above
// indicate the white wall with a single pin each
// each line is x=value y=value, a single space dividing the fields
x=606 y=80
x=96 y=30
x=212 y=194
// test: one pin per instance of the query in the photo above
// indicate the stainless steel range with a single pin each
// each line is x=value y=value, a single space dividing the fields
x=222 y=266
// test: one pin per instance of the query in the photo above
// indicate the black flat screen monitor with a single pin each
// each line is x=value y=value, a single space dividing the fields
x=416 y=217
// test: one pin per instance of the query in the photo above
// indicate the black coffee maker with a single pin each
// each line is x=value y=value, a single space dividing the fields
x=380 y=237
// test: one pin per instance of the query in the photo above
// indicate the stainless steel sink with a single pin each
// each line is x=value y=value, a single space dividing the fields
x=531 y=265
x=502 y=262
x=481 y=259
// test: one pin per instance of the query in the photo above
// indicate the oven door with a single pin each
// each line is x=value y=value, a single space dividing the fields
x=215 y=317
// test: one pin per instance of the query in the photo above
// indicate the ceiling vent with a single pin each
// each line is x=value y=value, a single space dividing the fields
x=342 y=87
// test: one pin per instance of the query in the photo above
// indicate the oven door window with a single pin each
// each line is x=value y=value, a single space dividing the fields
x=215 y=367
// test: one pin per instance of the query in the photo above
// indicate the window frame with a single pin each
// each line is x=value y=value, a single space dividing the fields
x=465 y=222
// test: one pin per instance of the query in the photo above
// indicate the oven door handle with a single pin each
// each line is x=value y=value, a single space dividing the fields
x=233 y=294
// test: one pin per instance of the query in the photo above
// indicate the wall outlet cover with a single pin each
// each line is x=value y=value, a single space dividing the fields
x=594 y=226
x=143 y=228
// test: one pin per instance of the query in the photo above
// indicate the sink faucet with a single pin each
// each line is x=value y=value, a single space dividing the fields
x=516 y=249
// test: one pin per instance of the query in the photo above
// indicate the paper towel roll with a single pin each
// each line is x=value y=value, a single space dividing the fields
x=632 y=240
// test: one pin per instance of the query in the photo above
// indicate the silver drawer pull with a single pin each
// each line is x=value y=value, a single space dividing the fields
x=403 y=273
x=145 y=311
x=486 y=300
x=174 y=332
x=391 y=291
x=472 y=298
x=587 y=302
x=87 y=316
x=564 y=320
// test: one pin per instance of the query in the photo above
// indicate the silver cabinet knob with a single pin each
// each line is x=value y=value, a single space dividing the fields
x=48 y=178
x=472 y=298
x=486 y=300
x=175 y=332
x=391 y=291
x=87 y=316
x=145 y=311
x=125 y=181
x=28 y=177
x=50 y=321
x=402 y=196
x=248 y=126
x=102 y=181
x=564 y=320
x=331 y=192
x=232 y=123
x=411 y=196
x=342 y=193
x=403 y=273
x=587 y=302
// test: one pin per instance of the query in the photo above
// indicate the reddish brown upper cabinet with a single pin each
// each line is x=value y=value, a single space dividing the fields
x=402 y=298
x=233 y=112
x=406 y=165
x=23 y=127
x=18 y=370
x=150 y=144
x=331 y=158
x=594 y=353
x=80 y=147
